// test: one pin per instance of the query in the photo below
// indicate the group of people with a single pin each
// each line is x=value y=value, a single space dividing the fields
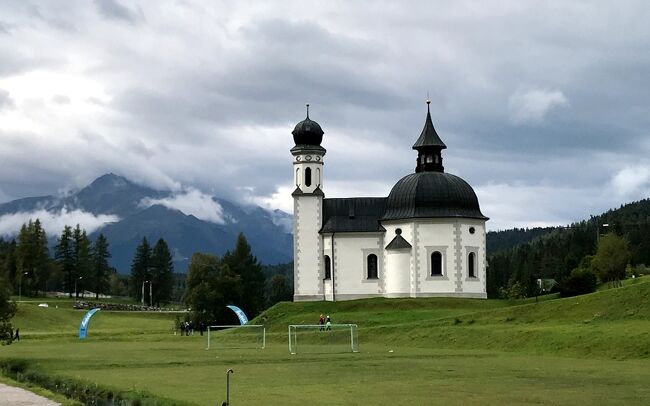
x=187 y=328
x=325 y=323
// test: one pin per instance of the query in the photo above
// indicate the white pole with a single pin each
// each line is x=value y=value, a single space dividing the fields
x=351 y=339
x=150 y=294
x=263 y=337
x=208 y=338
x=142 y=293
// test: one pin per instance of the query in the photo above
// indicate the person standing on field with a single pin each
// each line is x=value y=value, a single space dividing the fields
x=321 y=321
x=328 y=323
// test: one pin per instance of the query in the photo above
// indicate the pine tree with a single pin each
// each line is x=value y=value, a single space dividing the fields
x=64 y=254
x=42 y=260
x=141 y=271
x=81 y=249
x=32 y=260
x=162 y=271
x=8 y=266
x=243 y=263
x=100 y=270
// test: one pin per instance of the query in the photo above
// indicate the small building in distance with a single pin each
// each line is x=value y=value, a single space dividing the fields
x=427 y=238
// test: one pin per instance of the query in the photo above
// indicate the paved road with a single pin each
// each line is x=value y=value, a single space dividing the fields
x=11 y=396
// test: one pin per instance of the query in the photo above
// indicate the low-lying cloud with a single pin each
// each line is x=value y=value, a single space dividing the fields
x=531 y=106
x=632 y=181
x=192 y=202
x=54 y=221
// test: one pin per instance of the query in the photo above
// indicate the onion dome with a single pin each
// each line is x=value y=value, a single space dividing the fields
x=429 y=194
x=307 y=132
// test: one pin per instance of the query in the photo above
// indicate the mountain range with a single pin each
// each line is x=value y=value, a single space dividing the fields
x=133 y=211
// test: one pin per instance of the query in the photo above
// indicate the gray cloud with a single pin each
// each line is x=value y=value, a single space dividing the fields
x=531 y=100
x=5 y=100
x=115 y=10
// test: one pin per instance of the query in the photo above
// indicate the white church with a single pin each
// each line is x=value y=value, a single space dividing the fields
x=427 y=238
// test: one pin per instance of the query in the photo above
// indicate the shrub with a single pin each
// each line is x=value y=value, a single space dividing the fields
x=579 y=282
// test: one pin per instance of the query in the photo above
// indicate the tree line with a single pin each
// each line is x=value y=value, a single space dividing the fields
x=79 y=264
x=563 y=251
x=236 y=278
x=27 y=268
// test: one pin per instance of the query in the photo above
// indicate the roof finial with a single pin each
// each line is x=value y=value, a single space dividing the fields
x=428 y=101
x=307 y=110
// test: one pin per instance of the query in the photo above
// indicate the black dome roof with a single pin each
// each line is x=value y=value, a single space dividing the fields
x=307 y=132
x=432 y=194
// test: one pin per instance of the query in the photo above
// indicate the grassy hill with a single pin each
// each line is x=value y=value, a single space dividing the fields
x=588 y=349
x=613 y=323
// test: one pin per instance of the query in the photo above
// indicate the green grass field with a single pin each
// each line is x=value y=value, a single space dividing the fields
x=589 y=349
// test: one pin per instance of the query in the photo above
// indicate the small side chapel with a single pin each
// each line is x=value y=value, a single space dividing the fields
x=427 y=238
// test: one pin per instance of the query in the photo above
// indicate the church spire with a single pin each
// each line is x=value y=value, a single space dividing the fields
x=429 y=147
x=429 y=137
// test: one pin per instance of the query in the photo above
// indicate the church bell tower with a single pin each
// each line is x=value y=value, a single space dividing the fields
x=307 y=210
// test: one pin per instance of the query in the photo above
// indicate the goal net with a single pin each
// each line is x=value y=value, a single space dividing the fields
x=236 y=336
x=317 y=338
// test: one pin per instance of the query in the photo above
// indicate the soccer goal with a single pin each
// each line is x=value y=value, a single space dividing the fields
x=236 y=336
x=318 y=338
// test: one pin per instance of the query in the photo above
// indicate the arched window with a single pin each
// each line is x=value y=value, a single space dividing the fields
x=308 y=177
x=436 y=264
x=328 y=267
x=372 y=266
x=471 y=258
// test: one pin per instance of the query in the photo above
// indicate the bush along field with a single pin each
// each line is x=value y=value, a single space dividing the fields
x=585 y=349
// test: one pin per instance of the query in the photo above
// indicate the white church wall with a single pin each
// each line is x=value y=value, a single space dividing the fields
x=308 y=264
x=435 y=235
x=474 y=242
x=400 y=267
x=350 y=264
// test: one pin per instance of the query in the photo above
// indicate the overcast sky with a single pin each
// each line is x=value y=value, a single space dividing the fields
x=544 y=106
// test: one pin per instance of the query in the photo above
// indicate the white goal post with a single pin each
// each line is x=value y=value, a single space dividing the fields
x=238 y=336
x=323 y=338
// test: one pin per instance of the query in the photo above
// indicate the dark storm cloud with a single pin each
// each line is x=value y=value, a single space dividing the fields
x=530 y=98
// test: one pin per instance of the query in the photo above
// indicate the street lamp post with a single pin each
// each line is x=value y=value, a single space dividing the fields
x=228 y=372
x=142 y=299
x=20 y=286
x=76 y=294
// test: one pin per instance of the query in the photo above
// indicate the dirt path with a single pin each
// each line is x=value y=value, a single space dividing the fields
x=11 y=396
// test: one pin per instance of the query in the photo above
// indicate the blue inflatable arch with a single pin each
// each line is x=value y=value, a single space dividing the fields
x=240 y=313
x=83 y=328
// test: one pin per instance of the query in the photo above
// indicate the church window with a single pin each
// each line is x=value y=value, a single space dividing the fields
x=328 y=267
x=436 y=264
x=471 y=258
x=308 y=177
x=372 y=266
